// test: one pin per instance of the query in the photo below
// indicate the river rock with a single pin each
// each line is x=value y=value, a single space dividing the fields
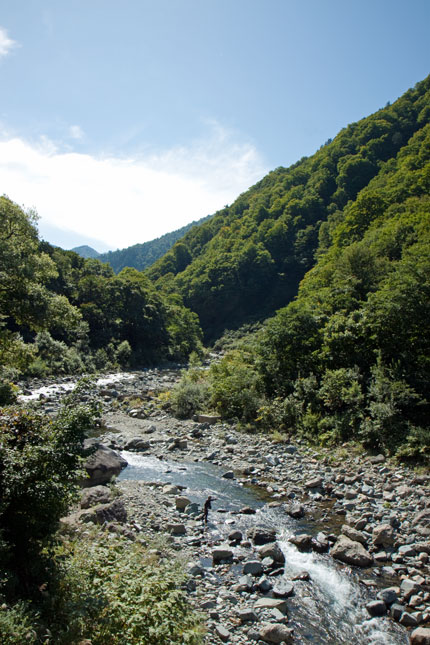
x=271 y=550
x=102 y=465
x=137 y=444
x=283 y=588
x=383 y=534
x=182 y=502
x=95 y=495
x=276 y=633
x=253 y=567
x=247 y=615
x=235 y=536
x=376 y=608
x=409 y=588
x=353 y=534
x=271 y=603
x=222 y=633
x=388 y=595
x=420 y=636
x=315 y=482
x=176 y=529
x=104 y=513
x=261 y=535
x=351 y=552
x=303 y=541
x=221 y=553
x=295 y=510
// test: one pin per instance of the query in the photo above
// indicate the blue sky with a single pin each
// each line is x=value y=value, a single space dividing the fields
x=121 y=121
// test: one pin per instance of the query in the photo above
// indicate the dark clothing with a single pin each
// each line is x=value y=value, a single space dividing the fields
x=206 y=507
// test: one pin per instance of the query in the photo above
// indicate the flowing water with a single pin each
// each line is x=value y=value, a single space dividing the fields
x=327 y=610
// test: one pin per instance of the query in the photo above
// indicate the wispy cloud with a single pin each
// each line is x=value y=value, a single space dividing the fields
x=76 y=132
x=6 y=43
x=126 y=201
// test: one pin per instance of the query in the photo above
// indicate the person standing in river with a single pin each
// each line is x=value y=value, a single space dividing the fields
x=207 y=505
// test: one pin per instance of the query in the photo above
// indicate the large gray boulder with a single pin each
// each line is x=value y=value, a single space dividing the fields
x=137 y=444
x=102 y=465
x=351 y=552
x=104 y=513
x=95 y=495
x=261 y=535
x=420 y=636
x=271 y=550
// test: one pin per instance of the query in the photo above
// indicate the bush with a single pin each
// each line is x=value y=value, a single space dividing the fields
x=112 y=591
x=190 y=395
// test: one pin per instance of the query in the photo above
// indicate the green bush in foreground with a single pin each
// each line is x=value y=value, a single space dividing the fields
x=107 y=590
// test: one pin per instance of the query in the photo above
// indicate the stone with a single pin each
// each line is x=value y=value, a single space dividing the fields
x=396 y=611
x=420 y=636
x=351 y=552
x=377 y=459
x=376 y=608
x=137 y=444
x=315 y=482
x=264 y=585
x=253 y=567
x=182 y=502
x=247 y=615
x=409 y=588
x=271 y=603
x=303 y=541
x=271 y=550
x=206 y=418
x=176 y=529
x=383 y=534
x=104 y=513
x=260 y=535
x=283 y=588
x=235 y=536
x=388 y=595
x=276 y=633
x=102 y=465
x=407 y=620
x=228 y=475
x=95 y=495
x=221 y=553
x=222 y=633
x=353 y=534
x=170 y=489
x=295 y=510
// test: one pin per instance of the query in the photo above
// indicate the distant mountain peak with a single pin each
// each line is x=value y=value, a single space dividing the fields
x=86 y=251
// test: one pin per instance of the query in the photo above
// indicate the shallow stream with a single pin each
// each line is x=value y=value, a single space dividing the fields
x=330 y=608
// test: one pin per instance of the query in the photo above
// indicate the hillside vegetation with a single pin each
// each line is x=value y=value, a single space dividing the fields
x=249 y=259
x=141 y=256
x=349 y=357
x=60 y=313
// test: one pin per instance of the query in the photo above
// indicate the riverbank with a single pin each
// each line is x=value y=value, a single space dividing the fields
x=376 y=505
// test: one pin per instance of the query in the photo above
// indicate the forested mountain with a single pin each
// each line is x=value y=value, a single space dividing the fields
x=86 y=251
x=249 y=259
x=62 y=313
x=141 y=256
x=349 y=357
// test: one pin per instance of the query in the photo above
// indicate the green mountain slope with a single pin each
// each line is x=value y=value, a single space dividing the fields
x=86 y=251
x=141 y=256
x=249 y=259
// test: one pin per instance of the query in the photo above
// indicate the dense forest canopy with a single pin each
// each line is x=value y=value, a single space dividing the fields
x=141 y=256
x=62 y=313
x=249 y=259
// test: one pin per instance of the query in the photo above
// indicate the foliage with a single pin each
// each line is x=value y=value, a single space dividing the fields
x=141 y=256
x=190 y=395
x=39 y=467
x=249 y=258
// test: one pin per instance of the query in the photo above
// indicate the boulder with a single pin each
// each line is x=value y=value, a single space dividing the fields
x=182 y=502
x=95 y=495
x=176 y=529
x=271 y=550
x=253 y=567
x=276 y=633
x=137 y=444
x=102 y=465
x=383 y=534
x=353 y=534
x=283 y=588
x=388 y=596
x=420 y=636
x=260 y=535
x=221 y=553
x=376 y=608
x=104 y=513
x=271 y=603
x=295 y=510
x=351 y=552
x=303 y=541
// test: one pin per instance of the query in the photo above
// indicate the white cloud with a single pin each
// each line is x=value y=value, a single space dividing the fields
x=127 y=201
x=76 y=132
x=6 y=43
